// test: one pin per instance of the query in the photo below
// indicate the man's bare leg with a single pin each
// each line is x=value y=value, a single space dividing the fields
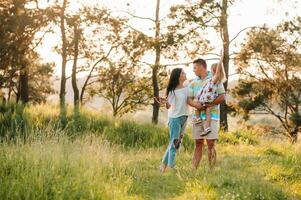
x=198 y=150
x=211 y=153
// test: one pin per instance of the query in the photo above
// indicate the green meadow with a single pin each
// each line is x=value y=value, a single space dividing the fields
x=95 y=157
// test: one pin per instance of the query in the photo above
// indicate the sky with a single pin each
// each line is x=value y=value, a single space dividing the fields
x=243 y=13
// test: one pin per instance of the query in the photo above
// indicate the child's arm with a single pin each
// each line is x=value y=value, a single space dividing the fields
x=215 y=78
x=219 y=68
x=219 y=76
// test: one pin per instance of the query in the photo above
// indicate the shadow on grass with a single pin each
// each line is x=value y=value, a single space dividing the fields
x=250 y=174
x=235 y=177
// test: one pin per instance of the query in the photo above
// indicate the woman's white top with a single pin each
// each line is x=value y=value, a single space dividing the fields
x=178 y=103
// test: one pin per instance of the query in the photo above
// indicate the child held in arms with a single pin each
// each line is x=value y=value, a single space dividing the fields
x=209 y=93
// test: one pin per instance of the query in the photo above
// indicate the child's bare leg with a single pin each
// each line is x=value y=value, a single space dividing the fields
x=197 y=119
x=208 y=117
x=208 y=121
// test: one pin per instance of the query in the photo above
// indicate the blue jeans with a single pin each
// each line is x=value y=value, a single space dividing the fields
x=175 y=126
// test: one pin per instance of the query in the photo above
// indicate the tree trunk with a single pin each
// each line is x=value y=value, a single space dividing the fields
x=18 y=97
x=63 y=117
x=23 y=93
x=115 y=113
x=73 y=77
x=9 y=94
x=294 y=135
x=156 y=106
x=90 y=74
x=226 y=43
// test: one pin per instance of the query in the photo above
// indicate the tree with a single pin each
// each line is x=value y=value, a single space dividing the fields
x=62 y=16
x=121 y=80
x=40 y=83
x=226 y=59
x=89 y=44
x=19 y=25
x=164 y=43
x=155 y=45
x=211 y=15
x=269 y=64
x=156 y=66
x=77 y=34
x=69 y=24
x=97 y=44
x=125 y=91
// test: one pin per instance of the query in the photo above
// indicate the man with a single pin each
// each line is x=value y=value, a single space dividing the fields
x=200 y=70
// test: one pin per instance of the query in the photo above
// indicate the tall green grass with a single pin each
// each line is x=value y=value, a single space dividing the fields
x=32 y=121
x=13 y=121
x=91 y=168
x=97 y=157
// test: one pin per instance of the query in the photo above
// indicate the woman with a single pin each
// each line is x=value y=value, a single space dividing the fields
x=176 y=103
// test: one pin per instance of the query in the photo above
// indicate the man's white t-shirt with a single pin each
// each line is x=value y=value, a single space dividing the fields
x=178 y=103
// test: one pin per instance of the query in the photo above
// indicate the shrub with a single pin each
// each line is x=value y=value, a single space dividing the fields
x=131 y=134
x=241 y=136
x=13 y=121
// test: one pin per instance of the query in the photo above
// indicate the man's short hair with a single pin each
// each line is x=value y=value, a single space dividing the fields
x=200 y=62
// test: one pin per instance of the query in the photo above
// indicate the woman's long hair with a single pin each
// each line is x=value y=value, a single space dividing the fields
x=173 y=80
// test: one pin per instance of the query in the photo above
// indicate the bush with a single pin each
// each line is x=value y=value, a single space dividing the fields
x=97 y=125
x=83 y=123
x=13 y=121
x=131 y=134
x=241 y=136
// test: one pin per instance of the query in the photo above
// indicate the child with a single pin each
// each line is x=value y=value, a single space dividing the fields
x=209 y=93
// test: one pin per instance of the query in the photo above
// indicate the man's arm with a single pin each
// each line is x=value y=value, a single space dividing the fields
x=219 y=99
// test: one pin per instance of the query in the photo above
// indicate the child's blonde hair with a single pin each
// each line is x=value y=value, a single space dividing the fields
x=219 y=72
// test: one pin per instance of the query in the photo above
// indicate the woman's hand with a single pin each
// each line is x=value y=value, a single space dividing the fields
x=161 y=100
x=195 y=104
x=198 y=106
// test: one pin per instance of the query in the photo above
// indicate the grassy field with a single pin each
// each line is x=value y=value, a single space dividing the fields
x=98 y=158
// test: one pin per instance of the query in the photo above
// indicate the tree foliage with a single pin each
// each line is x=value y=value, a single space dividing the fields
x=121 y=80
x=193 y=20
x=270 y=67
x=20 y=21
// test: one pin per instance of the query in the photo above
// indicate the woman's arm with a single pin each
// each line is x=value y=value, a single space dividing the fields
x=163 y=102
x=167 y=105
